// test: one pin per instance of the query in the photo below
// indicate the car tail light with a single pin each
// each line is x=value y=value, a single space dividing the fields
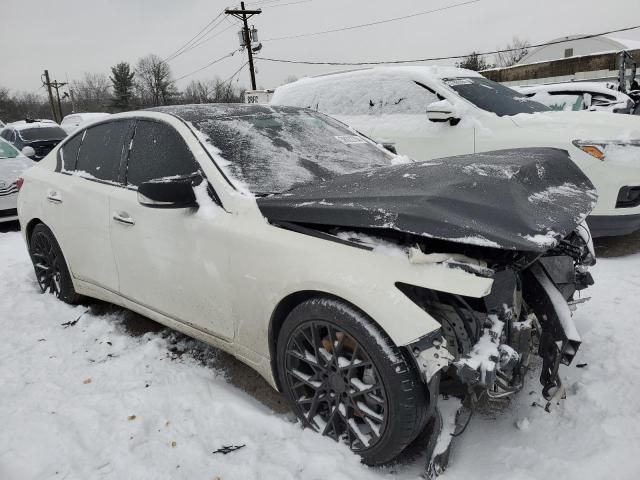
x=19 y=182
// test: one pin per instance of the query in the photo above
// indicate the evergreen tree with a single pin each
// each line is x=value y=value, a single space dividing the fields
x=122 y=80
x=475 y=62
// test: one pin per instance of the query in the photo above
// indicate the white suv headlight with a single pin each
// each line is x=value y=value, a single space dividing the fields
x=615 y=150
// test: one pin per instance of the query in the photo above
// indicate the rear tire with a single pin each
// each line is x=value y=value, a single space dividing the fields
x=344 y=378
x=50 y=266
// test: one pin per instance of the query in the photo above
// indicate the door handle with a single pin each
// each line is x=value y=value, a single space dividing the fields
x=123 y=218
x=54 y=197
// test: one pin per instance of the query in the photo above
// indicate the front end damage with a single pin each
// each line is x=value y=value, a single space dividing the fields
x=516 y=217
x=485 y=346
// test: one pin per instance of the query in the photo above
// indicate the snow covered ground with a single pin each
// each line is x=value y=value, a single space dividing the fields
x=89 y=400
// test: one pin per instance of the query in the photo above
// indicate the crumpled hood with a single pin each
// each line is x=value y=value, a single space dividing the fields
x=520 y=199
x=600 y=125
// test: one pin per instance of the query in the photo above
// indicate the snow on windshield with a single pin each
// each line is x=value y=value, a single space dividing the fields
x=492 y=96
x=272 y=150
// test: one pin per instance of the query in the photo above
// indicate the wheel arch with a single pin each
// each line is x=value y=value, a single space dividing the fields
x=285 y=306
x=28 y=229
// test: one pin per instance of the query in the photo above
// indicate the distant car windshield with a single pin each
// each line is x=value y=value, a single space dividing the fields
x=7 y=150
x=42 y=133
x=272 y=150
x=493 y=97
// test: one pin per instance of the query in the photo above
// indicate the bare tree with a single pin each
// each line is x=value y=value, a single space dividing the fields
x=92 y=93
x=21 y=105
x=518 y=50
x=199 y=91
x=155 y=85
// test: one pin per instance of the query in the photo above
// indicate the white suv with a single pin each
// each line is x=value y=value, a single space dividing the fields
x=433 y=112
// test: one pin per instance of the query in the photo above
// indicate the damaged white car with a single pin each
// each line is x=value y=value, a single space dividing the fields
x=360 y=286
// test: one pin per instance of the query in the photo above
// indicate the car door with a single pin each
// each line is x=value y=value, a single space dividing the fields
x=170 y=260
x=76 y=200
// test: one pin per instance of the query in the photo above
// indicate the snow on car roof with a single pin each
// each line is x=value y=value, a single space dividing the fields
x=24 y=125
x=89 y=115
x=338 y=93
x=417 y=73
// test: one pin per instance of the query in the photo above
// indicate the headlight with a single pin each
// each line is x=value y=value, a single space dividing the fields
x=614 y=150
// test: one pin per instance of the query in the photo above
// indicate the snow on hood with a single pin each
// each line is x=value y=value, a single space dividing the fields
x=519 y=199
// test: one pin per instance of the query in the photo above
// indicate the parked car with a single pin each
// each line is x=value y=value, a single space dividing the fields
x=350 y=280
x=432 y=112
x=578 y=96
x=73 y=121
x=12 y=165
x=39 y=135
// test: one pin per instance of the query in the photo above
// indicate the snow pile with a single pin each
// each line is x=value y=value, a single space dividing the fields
x=87 y=400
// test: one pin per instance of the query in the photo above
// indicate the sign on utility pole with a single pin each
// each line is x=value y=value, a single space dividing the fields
x=244 y=15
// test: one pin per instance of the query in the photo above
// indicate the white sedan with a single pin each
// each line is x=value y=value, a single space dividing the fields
x=579 y=96
x=12 y=165
x=350 y=280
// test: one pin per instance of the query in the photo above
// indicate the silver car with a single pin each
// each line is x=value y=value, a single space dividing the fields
x=12 y=165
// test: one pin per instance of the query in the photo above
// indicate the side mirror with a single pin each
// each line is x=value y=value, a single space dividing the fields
x=442 y=111
x=587 y=101
x=28 y=152
x=167 y=194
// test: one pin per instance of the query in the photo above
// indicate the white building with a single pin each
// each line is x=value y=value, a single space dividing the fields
x=576 y=46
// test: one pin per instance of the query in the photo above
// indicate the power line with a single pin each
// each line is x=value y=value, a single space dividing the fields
x=207 y=65
x=452 y=57
x=286 y=4
x=205 y=40
x=230 y=79
x=199 y=34
x=379 y=22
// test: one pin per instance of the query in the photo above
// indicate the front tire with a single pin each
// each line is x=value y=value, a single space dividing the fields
x=344 y=378
x=50 y=266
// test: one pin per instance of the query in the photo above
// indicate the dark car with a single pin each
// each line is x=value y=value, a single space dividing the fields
x=41 y=135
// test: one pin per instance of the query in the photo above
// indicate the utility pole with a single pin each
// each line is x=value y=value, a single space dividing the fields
x=57 y=113
x=245 y=15
x=57 y=85
x=47 y=83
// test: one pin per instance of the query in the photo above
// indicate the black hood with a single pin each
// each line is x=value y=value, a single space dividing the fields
x=520 y=199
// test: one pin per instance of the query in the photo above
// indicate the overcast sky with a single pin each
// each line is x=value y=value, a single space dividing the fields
x=70 y=37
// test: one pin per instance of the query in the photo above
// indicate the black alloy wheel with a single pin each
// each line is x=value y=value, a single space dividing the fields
x=50 y=266
x=345 y=379
x=336 y=385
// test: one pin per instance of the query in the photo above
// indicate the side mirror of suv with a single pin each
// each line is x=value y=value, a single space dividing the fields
x=28 y=152
x=442 y=111
x=167 y=194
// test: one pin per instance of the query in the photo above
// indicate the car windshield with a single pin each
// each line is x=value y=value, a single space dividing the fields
x=493 y=97
x=42 y=133
x=7 y=150
x=272 y=150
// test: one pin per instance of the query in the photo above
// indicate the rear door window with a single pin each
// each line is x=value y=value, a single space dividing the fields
x=69 y=153
x=158 y=151
x=102 y=150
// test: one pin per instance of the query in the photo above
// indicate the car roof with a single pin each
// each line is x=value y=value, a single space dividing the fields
x=220 y=110
x=596 y=87
x=24 y=125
